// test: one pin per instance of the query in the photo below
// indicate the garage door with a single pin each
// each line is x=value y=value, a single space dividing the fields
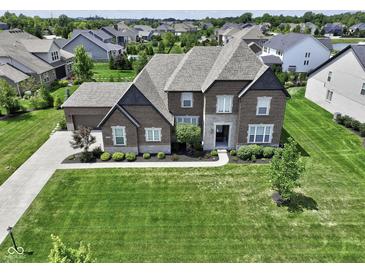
x=87 y=120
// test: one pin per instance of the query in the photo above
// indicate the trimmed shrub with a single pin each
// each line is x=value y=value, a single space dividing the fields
x=214 y=153
x=146 y=155
x=355 y=124
x=253 y=158
x=233 y=152
x=246 y=152
x=174 y=157
x=97 y=151
x=198 y=147
x=339 y=119
x=118 y=156
x=161 y=155
x=62 y=123
x=63 y=83
x=105 y=156
x=256 y=150
x=57 y=103
x=130 y=156
x=268 y=152
x=347 y=121
x=362 y=130
x=86 y=157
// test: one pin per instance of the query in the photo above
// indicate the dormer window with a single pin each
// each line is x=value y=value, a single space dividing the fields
x=54 y=55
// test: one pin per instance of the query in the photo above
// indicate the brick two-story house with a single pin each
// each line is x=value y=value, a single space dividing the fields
x=227 y=91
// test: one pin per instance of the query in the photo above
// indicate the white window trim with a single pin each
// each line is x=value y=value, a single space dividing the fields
x=114 y=137
x=257 y=125
x=153 y=135
x=224 y=96
x=189 y=117
x=267 y=99
x=183 y=99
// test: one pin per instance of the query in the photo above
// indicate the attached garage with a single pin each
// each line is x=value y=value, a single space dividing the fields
x=86 y=120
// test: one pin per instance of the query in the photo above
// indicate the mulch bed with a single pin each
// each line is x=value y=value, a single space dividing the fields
x=237 y=160
x=181 y=157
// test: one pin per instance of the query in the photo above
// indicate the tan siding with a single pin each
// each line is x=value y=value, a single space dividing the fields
x=247 y=113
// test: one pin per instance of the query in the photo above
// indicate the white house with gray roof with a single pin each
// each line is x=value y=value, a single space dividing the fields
x=298 y=52
x=338 y=85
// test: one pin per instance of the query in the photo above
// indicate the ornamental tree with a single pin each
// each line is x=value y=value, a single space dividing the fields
x=8 y=98
x=82 y=139
x=286 y=169
x=60 y=253
x=82 y=65
x=189 y=134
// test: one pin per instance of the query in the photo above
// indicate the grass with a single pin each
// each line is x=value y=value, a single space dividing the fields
x=61 y=92
x=103 y=73
x=347 y=40
x=22 y=135
x=211 y=215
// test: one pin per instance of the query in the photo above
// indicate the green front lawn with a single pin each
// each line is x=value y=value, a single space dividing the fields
x=61 y=92
x=214 y=214
x=22 y=135
x=347 y=40
x=102 y=73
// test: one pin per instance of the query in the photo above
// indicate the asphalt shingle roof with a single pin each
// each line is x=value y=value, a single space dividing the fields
x=359 y=50
x=97 y=94
x=193 y=69
x=12 y=73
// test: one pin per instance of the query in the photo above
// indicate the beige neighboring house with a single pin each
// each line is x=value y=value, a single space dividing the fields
x=26 y=55
x=184 y=27
x=251 y=34
x=227 y=91
x=338 y=85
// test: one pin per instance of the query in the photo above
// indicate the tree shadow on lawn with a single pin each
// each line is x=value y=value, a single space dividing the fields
x=297 y=204
x=284 y=139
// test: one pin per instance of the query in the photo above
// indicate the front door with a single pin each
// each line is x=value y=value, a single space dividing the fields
x=221 y=136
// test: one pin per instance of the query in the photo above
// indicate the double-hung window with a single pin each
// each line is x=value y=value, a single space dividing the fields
x=153 y=134
x=263 y=105
x=362 y=92
x=54 y=55
x=119 y=137
x=329 y=95
x=187 y=120
x=187 y=100
x=260 y=134
x=329 y=77
x=224 y=103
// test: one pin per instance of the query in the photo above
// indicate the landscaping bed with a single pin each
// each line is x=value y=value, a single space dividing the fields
x=178 y=157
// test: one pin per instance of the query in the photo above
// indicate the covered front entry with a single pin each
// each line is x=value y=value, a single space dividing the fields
x=221 y=136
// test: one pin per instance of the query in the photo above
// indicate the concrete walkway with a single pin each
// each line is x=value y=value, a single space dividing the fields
x=21 y=188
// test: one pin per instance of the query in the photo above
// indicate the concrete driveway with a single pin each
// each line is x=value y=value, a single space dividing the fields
x=20 y=189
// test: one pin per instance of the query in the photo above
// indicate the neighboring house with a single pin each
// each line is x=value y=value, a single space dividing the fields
x=357 y=27
x=3 y=26
x=164 y=28
x=227 y=91
x=144 y=32
x=121 y=36
x=98 y=34
x=40 y=58
x=13 y=76
x=226 y=32
x=184 y=27
x=97 y=50
x=206 y=25
x=338 y=85
x=308 y=26
x=298 y=52
x=251 y=34
x=333 y=29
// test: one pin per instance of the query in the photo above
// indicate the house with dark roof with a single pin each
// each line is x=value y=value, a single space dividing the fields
x=333 y=29
x=96 y=48
x=3 y=26
x=121 y=36
x=298 y=52
x=227 y=91
x=23 y=55
x=164 y=28
x=144 y=32
x=338 y=85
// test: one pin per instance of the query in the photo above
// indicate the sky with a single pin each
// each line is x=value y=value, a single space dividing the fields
x=177 y=14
